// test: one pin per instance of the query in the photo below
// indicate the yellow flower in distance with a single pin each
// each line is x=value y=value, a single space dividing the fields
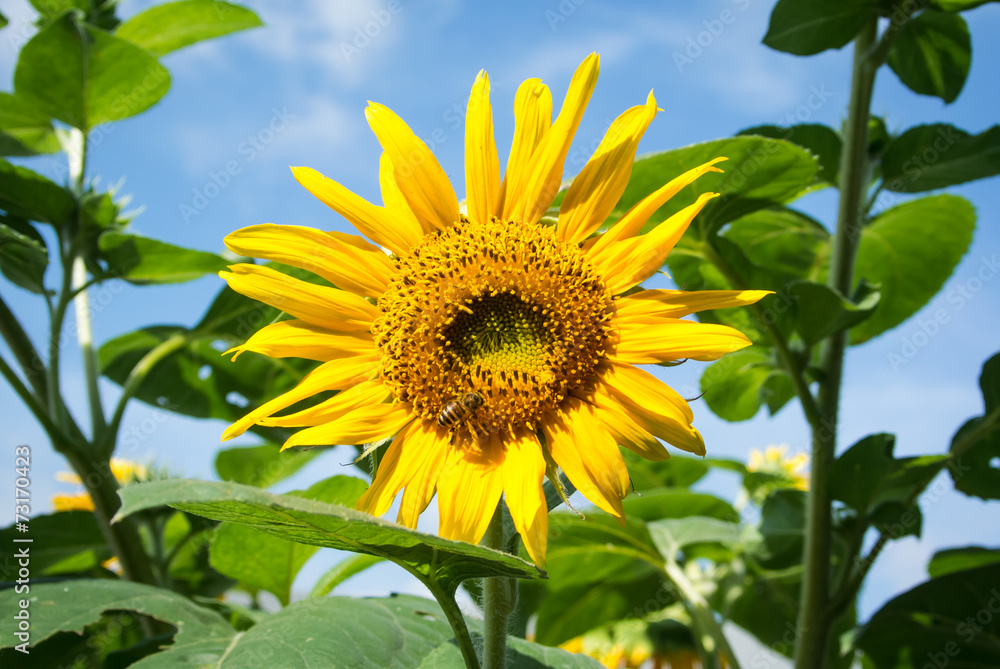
x=492 y=346
x=774 y=460
x=124 y=471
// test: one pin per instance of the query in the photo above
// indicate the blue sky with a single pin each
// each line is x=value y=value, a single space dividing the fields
x=293 y=93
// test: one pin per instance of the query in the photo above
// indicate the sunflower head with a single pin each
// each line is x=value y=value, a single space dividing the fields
x=537 y=322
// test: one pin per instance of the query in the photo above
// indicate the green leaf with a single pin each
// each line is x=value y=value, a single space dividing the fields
x=62 y=543
x=675 y=472
x=72 y=605
x=277 y=561
x=23 y=259
x=928 y=157
x=3 y=21
x=759 y=172
x=672 y=535
x=939 y=620
x=784 y=241
x=599 y=572
x=932 y=53
x=260 y=466
x=805 y=27
x=881 y=488
x=24 y=131
x=821 y=311
x=84 y=76
x=142 y=261
x=910 y=251
x=319 y=524
x=953 y=560
x=735 y=385
x=958 y=5
x=820 y=140
x=782 y=529
x=174 y=25
x=976 y=471
x=30 y=195
x=340 y=572
x=666 y=503
x=52 y=8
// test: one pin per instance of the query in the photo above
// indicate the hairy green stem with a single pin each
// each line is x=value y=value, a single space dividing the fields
x=814 y=622
x=498 y=601
x=85 y=338
x=712 y=639
x=106 y=445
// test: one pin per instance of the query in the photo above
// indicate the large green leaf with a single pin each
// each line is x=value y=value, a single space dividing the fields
x=72 y=605
x=24 y=131
x=430 y=558
x=173 y=25
x=53 y=8
x=952 y=560
x=736 y=385
x=62 y=543
x=142 y=260
x=910 y=251
x=958 y=5
x=759 y=172
x=599 y=572
x=928 y=157
x=932 y=54
x=948 y=621
x=23 y=259
x=673 y=535
x=674 y=472
x=30 y=195
x=678 y=503
x=260 y=466
x=976 y=471
x=84 y=76
x=276 y=561
x=821 y=140
x=805 y=27
x=783 y=240
x=782 y=529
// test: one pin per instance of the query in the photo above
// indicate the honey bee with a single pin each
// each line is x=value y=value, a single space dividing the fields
x=460 y=410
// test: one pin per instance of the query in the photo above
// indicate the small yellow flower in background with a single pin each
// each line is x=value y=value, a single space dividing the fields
x=125 y=472
x=774 y=460
x=492 y=347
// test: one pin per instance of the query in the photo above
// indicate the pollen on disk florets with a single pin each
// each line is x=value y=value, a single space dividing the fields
x=499 y=308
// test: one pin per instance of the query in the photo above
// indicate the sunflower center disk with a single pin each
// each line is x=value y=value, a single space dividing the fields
x=498 y=308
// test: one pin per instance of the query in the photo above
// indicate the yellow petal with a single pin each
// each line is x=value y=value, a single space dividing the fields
x=595 y=191
x=374 y=222
x=652 y=306
x=335 y=375
x=626 y=431
x=532 y=119
x=346 y=261
x=626 y=263
x=299 y=339
x=523 y=474
x=631 y=223
x=482 y=166
x=329 y=308
x=363 y=425
x=588 y=455
x=363 y=394
x=395 y=204
x=423 y=183
x=677 y=339
x=469 y=489
x=655 y=406
x=427 y=468
x=413 y=446
x=540 y=188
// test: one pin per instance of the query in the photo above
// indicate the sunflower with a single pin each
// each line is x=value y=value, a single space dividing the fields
x=537 y=323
